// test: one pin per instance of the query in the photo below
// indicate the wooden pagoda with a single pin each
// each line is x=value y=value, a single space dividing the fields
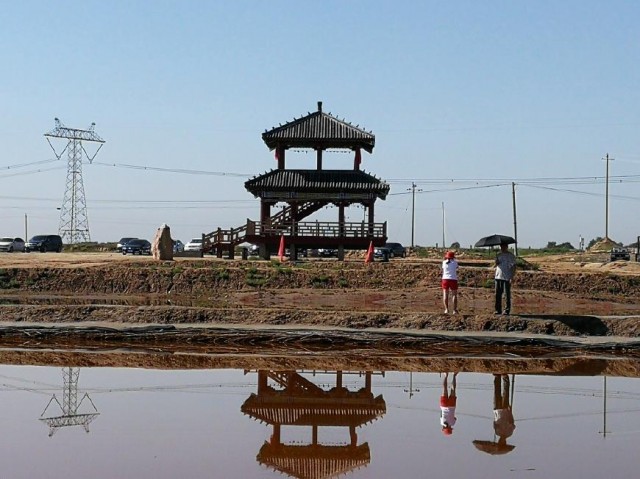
x=294 y=400
x=306 y=191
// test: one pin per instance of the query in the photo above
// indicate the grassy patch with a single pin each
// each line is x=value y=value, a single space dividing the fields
x=255 y=278
x=7 y=282
x=319 y=281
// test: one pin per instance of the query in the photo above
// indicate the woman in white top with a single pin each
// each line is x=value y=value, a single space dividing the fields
x=450 y=282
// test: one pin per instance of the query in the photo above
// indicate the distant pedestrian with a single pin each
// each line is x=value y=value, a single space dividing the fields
x=448 y=405
x=505 y=271
x=450 y=282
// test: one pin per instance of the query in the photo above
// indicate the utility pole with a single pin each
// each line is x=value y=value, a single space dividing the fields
x=606 y=196
x=26 y=236
x=443 y=242
x=413 y=212
x=411 y=389
x=74 y=224
x=515 y=222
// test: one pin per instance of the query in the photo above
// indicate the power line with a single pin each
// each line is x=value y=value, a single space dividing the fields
x=448 y=189
x=23 y=165
x=585 y=193
x=25 y=173
x=174 y=170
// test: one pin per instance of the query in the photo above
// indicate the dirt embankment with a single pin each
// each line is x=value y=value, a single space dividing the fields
x=210 y=278
x=405 y=294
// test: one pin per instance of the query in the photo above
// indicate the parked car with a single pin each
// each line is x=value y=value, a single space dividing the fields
x=178 y=246
x=620 y=254
x=194 y=245
x=137 y=246
x=44 y=243
x=122 y=242
x=327 y=252
x=11 y=244
x=392 y=250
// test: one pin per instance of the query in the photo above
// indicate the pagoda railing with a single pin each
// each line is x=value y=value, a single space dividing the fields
x=325 y=229
x=232 y=236
x=310 y=229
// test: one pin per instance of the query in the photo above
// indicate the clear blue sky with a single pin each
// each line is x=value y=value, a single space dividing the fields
x=494 y=92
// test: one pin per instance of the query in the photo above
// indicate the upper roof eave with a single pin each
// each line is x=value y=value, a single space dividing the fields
x=319 y=129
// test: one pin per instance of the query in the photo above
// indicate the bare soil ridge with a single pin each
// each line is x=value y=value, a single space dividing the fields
x=565 y=296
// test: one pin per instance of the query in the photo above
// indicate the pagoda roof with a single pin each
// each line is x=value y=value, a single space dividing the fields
x=326 y=181
x=314 y=461
x=351 y=410
x=319 y=129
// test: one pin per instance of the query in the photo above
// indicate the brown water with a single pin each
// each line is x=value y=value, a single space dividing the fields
x=260 y=424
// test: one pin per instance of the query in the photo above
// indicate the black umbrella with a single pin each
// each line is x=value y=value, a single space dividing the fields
x=493 y=448
x=494 y=240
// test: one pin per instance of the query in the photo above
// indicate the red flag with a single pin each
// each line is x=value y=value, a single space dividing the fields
x=281 y=249
x=369 y=257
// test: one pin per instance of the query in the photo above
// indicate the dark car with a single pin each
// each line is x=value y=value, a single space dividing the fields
x=44 y=243
x=137 y=246
x=620 y=254
x=122 y=242
x=391 y=249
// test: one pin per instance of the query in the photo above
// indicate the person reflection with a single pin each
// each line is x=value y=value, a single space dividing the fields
x=448 y=405
x=503 y=421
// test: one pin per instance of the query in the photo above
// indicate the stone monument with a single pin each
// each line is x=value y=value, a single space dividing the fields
x=162 y=245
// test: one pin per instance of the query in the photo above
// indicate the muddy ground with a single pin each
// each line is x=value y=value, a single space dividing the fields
x=576 y=295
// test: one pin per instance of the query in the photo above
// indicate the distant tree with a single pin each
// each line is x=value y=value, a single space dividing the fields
x=594 y=241
x=455 y=245
x=554 y=245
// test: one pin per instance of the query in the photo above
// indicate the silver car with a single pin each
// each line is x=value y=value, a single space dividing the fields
x=194 y=245
x=11 y=244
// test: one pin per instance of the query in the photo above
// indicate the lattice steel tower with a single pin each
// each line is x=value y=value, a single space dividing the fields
x=70 y=405
x=74 y=223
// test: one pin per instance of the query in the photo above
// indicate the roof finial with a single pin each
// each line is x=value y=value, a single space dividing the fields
x=320 y=106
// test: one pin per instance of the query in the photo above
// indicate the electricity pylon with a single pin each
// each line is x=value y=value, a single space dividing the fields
x=70 y=405
x=74 y=224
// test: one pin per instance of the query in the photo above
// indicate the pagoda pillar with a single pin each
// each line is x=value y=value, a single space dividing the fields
x=265 y=222
x=280 y=153
x=265 y=213
x=367 y=381
x=262 y=382
x=371 y=217
x=318 y=158
x=275 y=437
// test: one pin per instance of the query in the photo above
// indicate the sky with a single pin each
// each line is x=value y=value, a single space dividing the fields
x=464 y=98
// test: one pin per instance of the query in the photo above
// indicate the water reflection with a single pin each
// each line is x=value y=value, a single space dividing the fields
x=503 y=420
x=70 y=415
x=162 y=423
x=448 y=402
x=286 y=398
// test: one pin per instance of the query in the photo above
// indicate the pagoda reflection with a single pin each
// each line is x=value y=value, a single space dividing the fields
x=286 y=398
